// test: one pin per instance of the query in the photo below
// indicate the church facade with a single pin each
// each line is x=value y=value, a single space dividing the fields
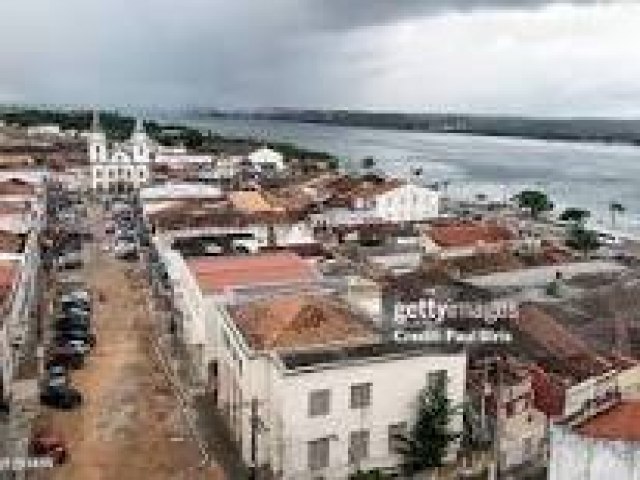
x=119 y=167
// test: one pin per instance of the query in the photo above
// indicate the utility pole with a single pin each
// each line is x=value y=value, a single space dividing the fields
x=255 y=425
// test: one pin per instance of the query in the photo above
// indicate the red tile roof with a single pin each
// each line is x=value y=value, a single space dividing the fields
x=295 y=321
x=216 y=274
x=621 y=422
x=11 y=242
x=8 y=273
x=16 y=186
x=468 y=234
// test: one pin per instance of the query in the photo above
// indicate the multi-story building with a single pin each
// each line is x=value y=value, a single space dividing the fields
x=22 y=210
x=349 y=201
x=119 y=167
x=308 y=385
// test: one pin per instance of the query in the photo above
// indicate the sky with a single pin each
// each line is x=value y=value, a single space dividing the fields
x=519 y=57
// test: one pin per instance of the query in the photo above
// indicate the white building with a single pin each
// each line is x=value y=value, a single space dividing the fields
x=44 y=130
x=604 y=446
x=180 y=156
x=388 y=201
x=120 y=167
x=265 y=159
x=307 y=386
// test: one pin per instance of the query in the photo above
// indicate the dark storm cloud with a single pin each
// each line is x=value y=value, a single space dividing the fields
x=362 y=13
x=243 y=52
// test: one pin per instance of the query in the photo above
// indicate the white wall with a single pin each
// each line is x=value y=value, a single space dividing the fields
x=574 y=457
x=284 y=409
x=408 y=203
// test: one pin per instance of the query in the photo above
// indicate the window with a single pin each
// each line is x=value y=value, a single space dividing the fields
x=141 y=173
x=319 y=402
x=437 y=377
x=527 y=447
x=112 y=174
x=318 y=454
x=358 y=446
x=98 y=173
x=396 y=431
x=361 y=395
x=509 y=409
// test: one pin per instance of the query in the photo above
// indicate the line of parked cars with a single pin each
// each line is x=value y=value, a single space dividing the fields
x=125 y=230
x=71 y=341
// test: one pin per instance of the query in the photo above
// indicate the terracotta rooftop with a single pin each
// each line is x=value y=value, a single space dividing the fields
x=11 y=242
x=621 y=422
x=345 y=190
x=16 y=186
x=468 y=234
x=300 y=320
x=252 y=201
x=217 y=274
x=8 y=273
x=14 y=208
x=13 y=160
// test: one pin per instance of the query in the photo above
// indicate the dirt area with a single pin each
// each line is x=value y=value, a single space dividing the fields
x=129 y=426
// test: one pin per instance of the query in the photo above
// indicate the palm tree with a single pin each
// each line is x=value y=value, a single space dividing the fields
x=615 y=207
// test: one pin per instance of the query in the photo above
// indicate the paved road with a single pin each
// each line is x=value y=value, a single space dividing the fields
x=130 y=426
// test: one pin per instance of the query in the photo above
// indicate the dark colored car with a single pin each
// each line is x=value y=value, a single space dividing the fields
x=62 y=335
x=71 y=304
x=63 y=397
x=72 y=324
x=66 y=356
x=48 y=444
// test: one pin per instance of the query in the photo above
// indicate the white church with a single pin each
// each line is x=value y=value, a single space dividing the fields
x=120 y=167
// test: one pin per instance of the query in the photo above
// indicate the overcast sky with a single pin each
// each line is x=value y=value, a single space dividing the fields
x=532 y=57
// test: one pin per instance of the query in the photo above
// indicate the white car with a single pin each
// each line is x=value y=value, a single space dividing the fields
x=79 y=346
x=123 y=249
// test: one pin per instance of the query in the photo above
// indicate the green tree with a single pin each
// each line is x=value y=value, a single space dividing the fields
x=428 y=441
x=581 y=239
x=576 y=215
x=615 y=208
x=535 y=201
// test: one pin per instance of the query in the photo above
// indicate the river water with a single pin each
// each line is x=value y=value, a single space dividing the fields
x=573 y=174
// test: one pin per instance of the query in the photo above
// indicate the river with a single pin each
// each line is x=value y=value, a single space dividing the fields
x=573 y=174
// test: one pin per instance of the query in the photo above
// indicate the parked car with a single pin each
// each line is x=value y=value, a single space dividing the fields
x=66 y=356
x=76 y=312
x=70 y=260
x=48 y=444
x=81 y=347
x=76 y=334
x=125 y=250
x=67 y=323
x=73 y=301
x=58 y=381
x=58 y=371
x=64 y=397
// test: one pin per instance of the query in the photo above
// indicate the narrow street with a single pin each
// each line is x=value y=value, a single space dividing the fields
x=130 y=425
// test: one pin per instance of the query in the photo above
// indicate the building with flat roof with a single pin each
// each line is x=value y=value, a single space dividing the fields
x=306 y=382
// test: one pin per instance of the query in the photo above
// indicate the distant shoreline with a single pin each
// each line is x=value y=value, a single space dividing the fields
x=595 y=132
